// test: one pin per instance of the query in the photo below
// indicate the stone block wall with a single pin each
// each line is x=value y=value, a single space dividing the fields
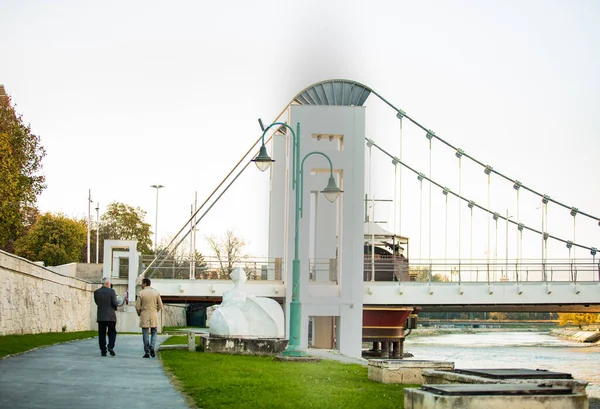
x=34 y=299
x=174 y=315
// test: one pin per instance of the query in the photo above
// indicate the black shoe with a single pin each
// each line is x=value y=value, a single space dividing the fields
x=152 y=354
x=103 y=353
x=111 y=352
x=146 y=356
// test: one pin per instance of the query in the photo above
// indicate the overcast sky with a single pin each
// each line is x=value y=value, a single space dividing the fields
x=125 y=95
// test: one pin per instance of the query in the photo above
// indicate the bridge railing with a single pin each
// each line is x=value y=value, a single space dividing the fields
x=323 y=270
x=380 y=268
x=209 y=268
x=506 y=271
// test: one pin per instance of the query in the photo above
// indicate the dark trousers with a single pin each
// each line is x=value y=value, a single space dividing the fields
x=103 y=326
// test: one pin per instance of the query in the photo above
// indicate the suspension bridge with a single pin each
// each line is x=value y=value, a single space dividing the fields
x=441 y=251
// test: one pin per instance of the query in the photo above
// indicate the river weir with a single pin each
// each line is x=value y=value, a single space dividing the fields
x=531 y=350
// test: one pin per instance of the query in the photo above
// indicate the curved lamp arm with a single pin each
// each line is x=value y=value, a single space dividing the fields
x=263 y=160
x=331 y=191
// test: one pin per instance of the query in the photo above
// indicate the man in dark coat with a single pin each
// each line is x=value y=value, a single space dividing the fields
x=106 y=300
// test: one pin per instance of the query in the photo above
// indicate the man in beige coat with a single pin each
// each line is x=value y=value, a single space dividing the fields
x=147 y=305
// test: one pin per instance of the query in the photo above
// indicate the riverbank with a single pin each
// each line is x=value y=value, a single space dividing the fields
x=431 y=331
x=576 y=335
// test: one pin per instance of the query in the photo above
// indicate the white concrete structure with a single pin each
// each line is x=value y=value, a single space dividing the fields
x=339 y=132
x=243 y=315
x=113 y=251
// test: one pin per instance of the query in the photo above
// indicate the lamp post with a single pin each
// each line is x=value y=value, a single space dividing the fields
x=332 y=192
x=157 y=187
x=97 y=231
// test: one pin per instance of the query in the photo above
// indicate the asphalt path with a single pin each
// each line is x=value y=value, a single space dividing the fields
x=75 y=375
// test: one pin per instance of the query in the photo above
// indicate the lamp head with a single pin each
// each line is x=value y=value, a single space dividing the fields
x=263 y=160
x=331 y=192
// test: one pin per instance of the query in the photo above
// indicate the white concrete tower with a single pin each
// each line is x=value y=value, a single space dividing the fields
x=330 y=234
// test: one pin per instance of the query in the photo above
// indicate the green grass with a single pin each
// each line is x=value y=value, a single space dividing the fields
x=15 y=344
x=177 y=329
x=179 y=339
x=220 y=380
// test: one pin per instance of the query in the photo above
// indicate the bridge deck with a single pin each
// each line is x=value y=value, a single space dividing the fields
x=434 y=296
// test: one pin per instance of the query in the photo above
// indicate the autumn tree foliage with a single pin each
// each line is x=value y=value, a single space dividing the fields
x=54 y=239
x=578 y=319
x=21 y=155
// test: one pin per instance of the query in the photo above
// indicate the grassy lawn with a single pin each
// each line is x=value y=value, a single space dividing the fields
x=221 y=380
x=176 y=329
x=178 y=339
x=14 y=344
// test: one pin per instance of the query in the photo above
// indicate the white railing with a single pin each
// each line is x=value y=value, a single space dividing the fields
x=210 y=268
x=385 y=268
x=323 y=270
x=506 y=271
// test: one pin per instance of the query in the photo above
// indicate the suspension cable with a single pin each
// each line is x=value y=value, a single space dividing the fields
x=459 y=156
x=481 y=163
x=422 y=176
x=430 y=136
x=399 y=115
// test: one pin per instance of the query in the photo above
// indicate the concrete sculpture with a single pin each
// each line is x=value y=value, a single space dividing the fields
x=244 y=315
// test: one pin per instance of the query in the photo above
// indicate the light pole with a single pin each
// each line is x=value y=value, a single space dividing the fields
x=157 y=187
x=97 y=231
x=332 y=192
x=88 y=224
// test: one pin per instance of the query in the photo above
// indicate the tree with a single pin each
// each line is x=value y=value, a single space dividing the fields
x=54 y=239
x=422 y=274
x=124 y=222
x=578 y=319
x=228 y=250
x=21 y=156
x=200 y=265
x=498 y=316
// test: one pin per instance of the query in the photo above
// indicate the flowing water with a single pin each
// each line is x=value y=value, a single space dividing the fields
x=528 y=350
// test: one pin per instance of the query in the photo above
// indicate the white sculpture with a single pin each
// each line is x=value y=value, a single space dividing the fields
x=244 y=315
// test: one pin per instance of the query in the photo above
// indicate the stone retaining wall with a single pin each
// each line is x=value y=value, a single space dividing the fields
x=577 y=335
x=34 y=299
x=174 y=315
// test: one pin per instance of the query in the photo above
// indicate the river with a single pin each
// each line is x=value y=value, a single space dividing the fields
x=529 y=350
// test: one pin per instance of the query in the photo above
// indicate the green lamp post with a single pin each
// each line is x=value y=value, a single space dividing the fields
x=331 y=192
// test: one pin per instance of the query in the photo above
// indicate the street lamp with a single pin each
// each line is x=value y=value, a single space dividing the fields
x=97 y=231
x=156 y=224
x=331 y=192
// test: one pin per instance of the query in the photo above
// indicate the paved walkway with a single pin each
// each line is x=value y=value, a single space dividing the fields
x=74 y=375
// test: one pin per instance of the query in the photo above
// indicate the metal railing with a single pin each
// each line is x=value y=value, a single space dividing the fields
x=385 y=268
x=528 y=270
x=380 y=268
x=209 y=268
x=323 y=270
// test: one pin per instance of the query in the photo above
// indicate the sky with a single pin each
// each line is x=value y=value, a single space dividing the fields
x=125 y=95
